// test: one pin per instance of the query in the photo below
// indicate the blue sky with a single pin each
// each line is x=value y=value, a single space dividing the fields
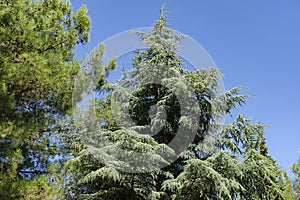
x=256 y=44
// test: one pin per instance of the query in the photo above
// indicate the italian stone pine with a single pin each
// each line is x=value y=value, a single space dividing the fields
x=37 y=65
x=234 y=165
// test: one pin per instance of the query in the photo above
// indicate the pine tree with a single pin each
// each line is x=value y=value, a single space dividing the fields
x=37 y=68
x=233 y=165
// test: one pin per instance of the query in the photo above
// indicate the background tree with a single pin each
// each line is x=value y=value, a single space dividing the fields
x=296 y=171
x=37 y=68
x=234 y=166
x=287 y=187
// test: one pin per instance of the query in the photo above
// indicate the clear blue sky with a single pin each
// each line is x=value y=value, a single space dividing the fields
x=255 y=43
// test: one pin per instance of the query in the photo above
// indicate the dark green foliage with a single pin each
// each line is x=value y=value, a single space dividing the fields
x=37 y=67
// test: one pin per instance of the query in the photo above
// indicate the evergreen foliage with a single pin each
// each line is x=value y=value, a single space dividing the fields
x=126 y=148
x=233 y=165
x=287 y=187
x=37 y=68
x=296 y=171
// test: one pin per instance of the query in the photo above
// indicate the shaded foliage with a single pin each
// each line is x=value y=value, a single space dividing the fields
x=37 y=67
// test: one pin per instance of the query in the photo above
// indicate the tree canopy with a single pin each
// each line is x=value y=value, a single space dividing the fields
x=155 y=133
x=236 y=164
x=37 y=68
